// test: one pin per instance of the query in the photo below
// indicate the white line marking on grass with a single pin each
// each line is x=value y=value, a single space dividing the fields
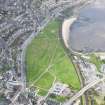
x=49 y=91
x=41 y=75
x=49 y=66
x=47 y=69
x=41 y=88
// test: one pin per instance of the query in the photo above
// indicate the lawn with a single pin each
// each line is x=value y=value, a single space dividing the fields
x=46 y=60
x=95 y=60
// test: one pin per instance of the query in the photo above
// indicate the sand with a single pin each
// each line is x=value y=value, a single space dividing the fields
x=66 y=30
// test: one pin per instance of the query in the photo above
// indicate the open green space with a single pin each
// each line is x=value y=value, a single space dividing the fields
x=59 y=98
x=47 y=61
x=95 y=60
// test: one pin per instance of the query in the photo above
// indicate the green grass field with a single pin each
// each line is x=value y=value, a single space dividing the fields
x=46 y=60
x=96 y=61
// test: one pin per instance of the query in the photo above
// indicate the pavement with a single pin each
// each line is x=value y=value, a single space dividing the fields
x=83 y=90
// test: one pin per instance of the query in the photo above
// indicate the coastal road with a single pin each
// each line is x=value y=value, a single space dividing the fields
x=83 y=90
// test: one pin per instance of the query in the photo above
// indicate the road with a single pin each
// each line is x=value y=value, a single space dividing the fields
x=15 y=97
x=18 y=92
x=83 y=90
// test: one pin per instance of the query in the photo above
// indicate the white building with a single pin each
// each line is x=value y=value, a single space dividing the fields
x=60 y=89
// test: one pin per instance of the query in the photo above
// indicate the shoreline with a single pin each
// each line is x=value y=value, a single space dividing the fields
x=66 y=34
x=66 y=30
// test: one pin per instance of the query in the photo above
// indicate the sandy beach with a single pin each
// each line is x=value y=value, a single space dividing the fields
x=66 y=30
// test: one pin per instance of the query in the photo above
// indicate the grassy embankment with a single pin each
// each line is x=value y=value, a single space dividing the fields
x=46 y=60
